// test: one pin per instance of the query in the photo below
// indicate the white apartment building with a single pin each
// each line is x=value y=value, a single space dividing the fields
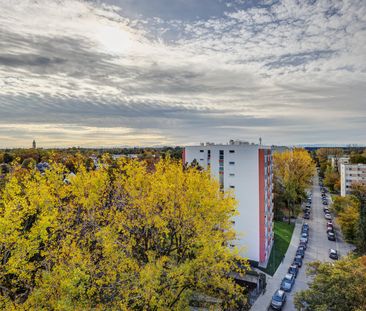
x=351 y=173
x=337 y=162
x=247 y=170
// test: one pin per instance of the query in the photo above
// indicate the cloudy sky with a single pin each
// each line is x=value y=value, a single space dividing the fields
x=168 y=72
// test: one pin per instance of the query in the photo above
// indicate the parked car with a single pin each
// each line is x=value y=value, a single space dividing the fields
x=331 y=236
x=304 y=240
x=305 y=225
x=306 y=215
x=326 y=210
x=278 y=299
x=330 y=229
x=304 y=244
x=304 y=235
x=298 y=261
x=301 y=251
x=294 y=269
x=287 y=282
x=330 y=223
x=328 y=216
x=333 y=254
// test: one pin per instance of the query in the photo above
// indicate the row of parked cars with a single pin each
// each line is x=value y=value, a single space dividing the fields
x=307 y=208
x=333 y=254
x=279 y=297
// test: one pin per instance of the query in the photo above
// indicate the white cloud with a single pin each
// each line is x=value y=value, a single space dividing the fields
x=270 y=65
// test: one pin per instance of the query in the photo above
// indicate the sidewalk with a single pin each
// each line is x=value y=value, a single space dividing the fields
x=274 y=282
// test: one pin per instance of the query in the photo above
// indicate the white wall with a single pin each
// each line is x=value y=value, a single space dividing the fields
x=246 y=182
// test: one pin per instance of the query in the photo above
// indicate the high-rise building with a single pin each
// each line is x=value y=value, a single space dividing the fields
x=350 y=174
x=247 y=170
x=34 y=144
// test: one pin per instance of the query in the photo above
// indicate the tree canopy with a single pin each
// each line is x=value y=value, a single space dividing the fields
x=293 y=172
x=336 y=286
x=348 y=216
x=117 y=238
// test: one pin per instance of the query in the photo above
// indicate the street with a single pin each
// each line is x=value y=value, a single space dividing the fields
x=318 y=246
x=317 y=249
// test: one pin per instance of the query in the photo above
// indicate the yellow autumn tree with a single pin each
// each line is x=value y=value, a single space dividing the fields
x=293 y=173
x=118 y=238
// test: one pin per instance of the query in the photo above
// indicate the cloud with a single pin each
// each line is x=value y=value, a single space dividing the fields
x=285 y=70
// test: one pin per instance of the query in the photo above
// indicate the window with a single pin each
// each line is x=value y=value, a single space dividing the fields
x=201 y=159
x=231 y=151
x=202 y=150
x=231 y=163
x=232 y=187
x=232 y=174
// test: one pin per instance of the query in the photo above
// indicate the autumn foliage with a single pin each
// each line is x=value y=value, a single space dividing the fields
x=117 y=238
x=335 y=286
x=293 y=172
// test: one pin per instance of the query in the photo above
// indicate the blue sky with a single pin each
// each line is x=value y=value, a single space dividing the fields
x=168 y=72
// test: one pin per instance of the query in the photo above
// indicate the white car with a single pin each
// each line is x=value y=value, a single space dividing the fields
x=328 y=216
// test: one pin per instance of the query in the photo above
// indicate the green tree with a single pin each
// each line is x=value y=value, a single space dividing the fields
x=335 y=286
x=117 y=238
x=331 y=178
x=359 y=190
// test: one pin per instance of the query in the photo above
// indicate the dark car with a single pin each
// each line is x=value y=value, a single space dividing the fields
x=301 y=251
x=288 y=282
x=307 y=216
x=278 y=299
x=333 y=254
x=298 y=261
x=331 y=236
x=303 y=244
x=294 y=269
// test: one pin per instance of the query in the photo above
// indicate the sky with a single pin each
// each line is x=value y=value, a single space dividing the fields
x=179 y=72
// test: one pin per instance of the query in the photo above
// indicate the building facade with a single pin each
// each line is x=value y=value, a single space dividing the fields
x=337 y=162
x=246 y=169
x=351 y=173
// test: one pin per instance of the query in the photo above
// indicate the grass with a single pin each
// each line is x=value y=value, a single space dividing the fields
x=282 y=237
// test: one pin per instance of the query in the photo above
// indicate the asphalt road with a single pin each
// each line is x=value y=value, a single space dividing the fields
x=318 y=245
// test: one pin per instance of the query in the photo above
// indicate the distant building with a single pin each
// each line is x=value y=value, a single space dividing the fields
x=247 y=170
x=336 y=162
x=351 y=173
x=34 y=144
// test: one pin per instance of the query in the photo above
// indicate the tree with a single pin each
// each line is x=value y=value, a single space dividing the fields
x=7 y=157
x=357 y=158
x=340 y=204
x=336 y=286
x=29 y=163
x=331 y=179
x=293 y=172
x=117 y=238
x=359 y=190
x=322 y=157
